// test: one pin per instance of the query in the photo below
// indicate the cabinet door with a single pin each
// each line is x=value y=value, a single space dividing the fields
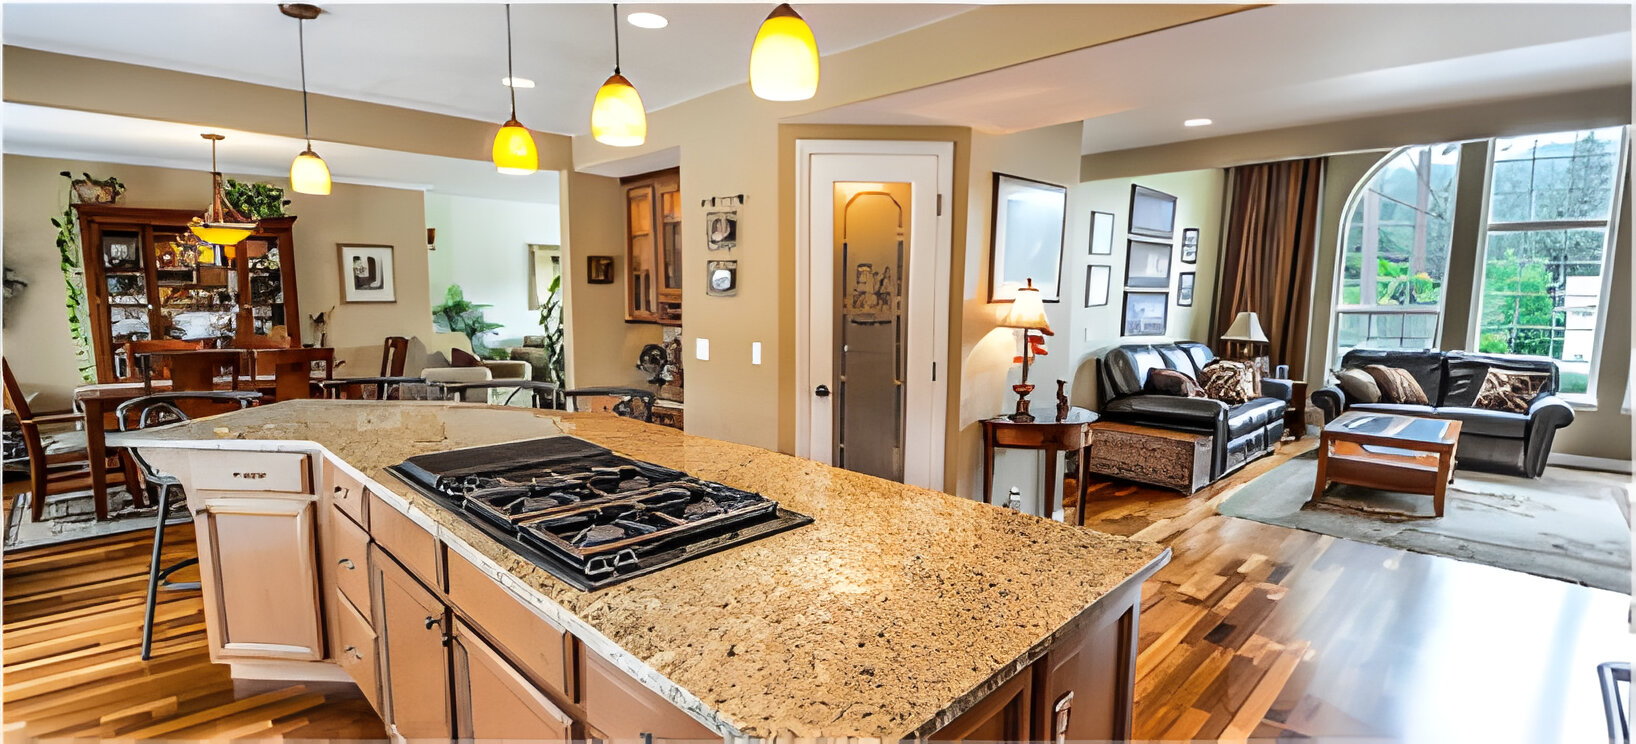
x=494 y=701
x=411 y=623
x=1002 y=716
x=620 y=709
x=641 y=253
x=260 y=555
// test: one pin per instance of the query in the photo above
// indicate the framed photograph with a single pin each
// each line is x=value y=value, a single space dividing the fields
x=1097 y=279
x=1152 y=213
x=1184 y=289
x=599 y=269
x=1101 y=233
x=1190 y=245
x=1147 y=265
x=1145 y=314
x=723 y=230
x=1026 y=238
x=121 y=253
x=721 y=278
x=367 y=273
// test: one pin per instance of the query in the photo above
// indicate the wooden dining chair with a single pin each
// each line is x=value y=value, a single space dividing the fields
x=134 y=349
x=632 y=403
x=254 y=341
x=198 y=370
x=66 y=468
x=393 y=353
x=292 y=370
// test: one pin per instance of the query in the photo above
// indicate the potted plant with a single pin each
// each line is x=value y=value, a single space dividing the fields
x=256 y=201
x=94 y=191
x=458 y=314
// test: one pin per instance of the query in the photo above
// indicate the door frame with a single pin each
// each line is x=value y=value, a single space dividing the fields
x=934 y=426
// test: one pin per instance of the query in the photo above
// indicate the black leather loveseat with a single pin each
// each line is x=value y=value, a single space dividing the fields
x=1238 y=433
x=1495 y=441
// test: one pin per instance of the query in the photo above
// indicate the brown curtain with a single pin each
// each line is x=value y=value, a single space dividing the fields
x=1268 y=252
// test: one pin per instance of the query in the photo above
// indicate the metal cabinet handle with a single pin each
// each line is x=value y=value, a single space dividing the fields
x=430 y=621
x=822 y=391
x=354 y=651
x=348 y=563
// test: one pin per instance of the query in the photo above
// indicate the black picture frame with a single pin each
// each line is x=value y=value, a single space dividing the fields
x=1140 y=323
x=1047 y=225
x=1102 y=233
x=1190 y=245
x=1098 y=284
x=1152 y=212
x=599 y=270
x=1184 y=288
x=1147 y=264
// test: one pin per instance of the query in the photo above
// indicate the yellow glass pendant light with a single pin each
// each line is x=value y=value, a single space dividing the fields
x=220 y=225
x=309 y=174
x=784 y=60
x=617 y=116
x=514 y=150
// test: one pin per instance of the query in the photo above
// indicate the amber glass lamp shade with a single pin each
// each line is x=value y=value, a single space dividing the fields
x=784 y=60
x=309 y=174
x=514 y=150
x=617 y=116
x=222 y=233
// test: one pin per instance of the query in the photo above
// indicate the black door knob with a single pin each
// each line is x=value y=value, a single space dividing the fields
x=822 y=391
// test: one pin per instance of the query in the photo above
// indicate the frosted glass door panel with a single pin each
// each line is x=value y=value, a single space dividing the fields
x=871 y=253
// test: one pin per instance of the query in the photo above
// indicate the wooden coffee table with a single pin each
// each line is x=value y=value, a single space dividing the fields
x=1408 y=454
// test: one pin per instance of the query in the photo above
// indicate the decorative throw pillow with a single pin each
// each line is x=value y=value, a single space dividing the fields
x=1172 y=382
x=1358 y=385
x=463 y=358
x=1229 y=382
x=1397 y=385
x=1505 y=390
x=436 y=360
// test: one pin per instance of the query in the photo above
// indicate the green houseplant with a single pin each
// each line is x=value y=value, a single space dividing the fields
x=551 y=322
x=463 y=316
x=68 y=254
x=257 y=201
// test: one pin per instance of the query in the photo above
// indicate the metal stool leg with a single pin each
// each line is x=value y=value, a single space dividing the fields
x=157 y=576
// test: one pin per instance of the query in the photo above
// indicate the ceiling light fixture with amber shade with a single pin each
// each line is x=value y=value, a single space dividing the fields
x=784 y=59
x=514 y=150
x=618 y=118
x=309 y=174
x=221 y=224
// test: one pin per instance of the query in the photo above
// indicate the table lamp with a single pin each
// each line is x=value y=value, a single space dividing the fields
x=1246 y=330
x=1028 y=313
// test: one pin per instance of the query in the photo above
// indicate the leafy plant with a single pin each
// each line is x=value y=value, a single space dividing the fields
x=257 y=201
x=551 y=320
x=460 y=315
x=111 y=183
x=73 y=274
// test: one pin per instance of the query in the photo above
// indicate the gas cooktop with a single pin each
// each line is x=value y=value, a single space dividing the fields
x=588 y=516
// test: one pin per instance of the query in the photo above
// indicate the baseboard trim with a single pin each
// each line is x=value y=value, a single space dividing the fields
x=1583 y=462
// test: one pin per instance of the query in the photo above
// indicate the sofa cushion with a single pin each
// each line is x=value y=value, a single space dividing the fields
x=1487 y=423
x=1464 y=373
x=1124 y=368
x=1177 y=359
x=1200 y=354
x=1407 y=409
x=1511 y=391
x=1172 y=382
x=1425 y=366
x=1397 y=385
x=1232 y=383
x=1358 y=385
x=1254 y=414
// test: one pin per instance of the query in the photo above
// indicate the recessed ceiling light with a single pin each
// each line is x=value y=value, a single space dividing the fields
x=521 y=82
x=1197 y=123
x=648 y=20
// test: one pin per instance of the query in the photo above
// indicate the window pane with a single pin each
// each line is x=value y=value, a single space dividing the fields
x=1567 y=175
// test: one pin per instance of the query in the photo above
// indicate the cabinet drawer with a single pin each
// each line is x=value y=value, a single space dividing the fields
x=356 y=654
x=523 y=636
x=621 y=708
x=350 y=544
x=222 y=470
x=414 y=547
x=346 y=493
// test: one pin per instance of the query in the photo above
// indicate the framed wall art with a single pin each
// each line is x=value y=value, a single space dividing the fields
x=1152 y=212
x=1190 y=245
x=722 y=278
x=599 y=269
x=1145 y=314
x=1097 y=279
x=723 y=230
x=1026 y=238
x=1184 y=289
x=367 y=273
x=1101 y=233
x=1147 y=264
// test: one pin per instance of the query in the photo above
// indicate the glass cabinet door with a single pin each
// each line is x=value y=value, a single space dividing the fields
x=640 y=256
x=197 y=289
x=124 y=271
x=265 y=285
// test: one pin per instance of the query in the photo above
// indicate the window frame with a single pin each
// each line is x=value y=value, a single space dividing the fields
x=1587 y=400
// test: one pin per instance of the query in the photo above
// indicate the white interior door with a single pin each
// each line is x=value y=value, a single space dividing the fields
x=872 y=276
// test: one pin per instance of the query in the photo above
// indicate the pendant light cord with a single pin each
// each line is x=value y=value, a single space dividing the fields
x=301 y=37
x=511 y=78
x=616 y=37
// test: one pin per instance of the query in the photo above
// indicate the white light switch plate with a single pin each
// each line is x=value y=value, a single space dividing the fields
x=701 y=349
x=755 y=352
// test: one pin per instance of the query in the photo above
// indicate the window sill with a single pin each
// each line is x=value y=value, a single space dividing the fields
x=1579 y=401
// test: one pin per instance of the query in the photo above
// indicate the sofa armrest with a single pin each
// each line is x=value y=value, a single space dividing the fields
x=1550 y=411
x=509 y=369
x=1331 y=401
x=1273 y=387
x=1545 y=415
x=1167 y=408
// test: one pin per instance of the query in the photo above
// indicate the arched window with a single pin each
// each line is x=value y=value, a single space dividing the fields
x=1395 y=252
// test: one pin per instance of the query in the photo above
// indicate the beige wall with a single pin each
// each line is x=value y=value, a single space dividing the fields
x=602 y=347
x=1342 y=174
x=36 y=333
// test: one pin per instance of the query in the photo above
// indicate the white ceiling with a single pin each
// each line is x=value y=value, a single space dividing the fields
x=80 y=135
x=1279 y=66
x=449 y=58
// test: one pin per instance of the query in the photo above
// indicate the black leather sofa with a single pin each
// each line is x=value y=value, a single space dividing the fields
x=1239 y=433
x=1495 y=441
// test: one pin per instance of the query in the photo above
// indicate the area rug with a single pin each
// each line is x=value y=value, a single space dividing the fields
x=72 y=516
x=1568 y=524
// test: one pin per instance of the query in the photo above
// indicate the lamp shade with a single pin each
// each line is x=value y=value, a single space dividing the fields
x=514 y=150
x=309 y=174
x=222 y=233
x=1028 y=311
x=617 y=116
x=784 y=60
x=1245 y=327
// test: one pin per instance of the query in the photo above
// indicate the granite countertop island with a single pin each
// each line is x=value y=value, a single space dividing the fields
x=893 y=612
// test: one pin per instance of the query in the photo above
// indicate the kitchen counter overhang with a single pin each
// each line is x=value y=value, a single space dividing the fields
x=890 y=616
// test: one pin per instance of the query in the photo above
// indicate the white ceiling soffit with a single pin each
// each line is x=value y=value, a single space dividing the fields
x=448 y=58
x=1279 y=66
x=60 y=133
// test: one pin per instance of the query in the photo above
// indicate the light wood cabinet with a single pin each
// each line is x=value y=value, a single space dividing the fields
x=258 y=553
x=412 y=624
x=620 y=708
x=494 y=701
x=356 y=649
x=653 y=248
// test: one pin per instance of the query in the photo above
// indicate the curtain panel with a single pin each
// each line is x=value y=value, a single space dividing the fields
x=1268 y=253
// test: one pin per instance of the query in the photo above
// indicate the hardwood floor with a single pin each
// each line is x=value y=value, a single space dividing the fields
x=72 y=667
x=1258 y=631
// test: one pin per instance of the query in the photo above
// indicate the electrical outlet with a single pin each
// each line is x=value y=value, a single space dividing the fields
x=755 y=352
x=701 y=349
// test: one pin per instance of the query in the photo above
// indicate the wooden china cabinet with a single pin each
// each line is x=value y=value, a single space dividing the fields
x=146 y=279
x=653 y=248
